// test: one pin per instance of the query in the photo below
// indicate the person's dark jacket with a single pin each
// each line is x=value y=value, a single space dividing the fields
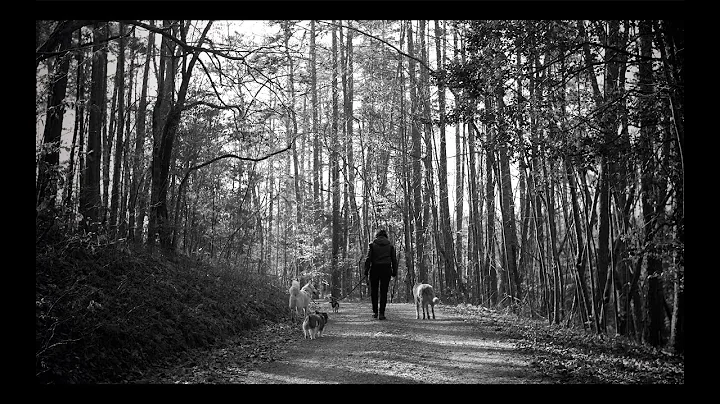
x=381 y=252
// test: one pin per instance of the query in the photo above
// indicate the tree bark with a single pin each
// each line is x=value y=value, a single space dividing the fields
x=78 y=127
x=120 y=74
x=493 y=282
x=126 y=167
x=135 y=224
x=459 y=184
x=508 y=207
x=349 y=119
x=164 y=132
x=90 y=187
x=108 y=136
x=48 y=171
x=317 y=174
x=450 y=260
x=416 y=159
x=335 y=172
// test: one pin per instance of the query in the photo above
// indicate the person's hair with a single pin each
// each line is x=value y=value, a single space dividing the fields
x=382 y=233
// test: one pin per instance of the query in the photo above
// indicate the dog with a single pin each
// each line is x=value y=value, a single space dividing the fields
x=334 y=304
x=322 y=325
x=314 y=324
x=424 y=295
x=300 y=298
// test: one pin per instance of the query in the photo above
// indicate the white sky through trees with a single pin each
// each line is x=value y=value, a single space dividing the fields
x=256 y=34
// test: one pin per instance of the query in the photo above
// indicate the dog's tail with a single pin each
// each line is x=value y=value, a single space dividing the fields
x=436 y=300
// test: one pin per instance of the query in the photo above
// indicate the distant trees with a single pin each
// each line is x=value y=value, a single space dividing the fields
x=563 y=141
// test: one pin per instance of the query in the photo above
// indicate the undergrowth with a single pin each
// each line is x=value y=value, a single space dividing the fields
x=104 y=313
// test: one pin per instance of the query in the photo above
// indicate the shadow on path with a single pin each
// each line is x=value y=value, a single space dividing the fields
x=357 y=349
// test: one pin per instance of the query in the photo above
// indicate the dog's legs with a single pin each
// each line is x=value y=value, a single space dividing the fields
x=432 y=307
x=417 y=310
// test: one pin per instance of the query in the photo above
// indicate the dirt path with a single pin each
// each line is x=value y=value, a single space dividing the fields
x=467 y=344
x=356 y=348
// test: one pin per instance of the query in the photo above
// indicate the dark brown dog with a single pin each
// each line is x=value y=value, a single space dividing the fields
x=334 y=304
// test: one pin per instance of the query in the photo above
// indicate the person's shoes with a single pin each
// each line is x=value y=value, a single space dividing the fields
x=374 y=315
x=382 y=317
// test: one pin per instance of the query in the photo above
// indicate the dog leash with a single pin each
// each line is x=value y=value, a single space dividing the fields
x=348 y=294
x=353 y=289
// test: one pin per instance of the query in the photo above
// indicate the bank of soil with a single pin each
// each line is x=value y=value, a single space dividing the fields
x=356 y=349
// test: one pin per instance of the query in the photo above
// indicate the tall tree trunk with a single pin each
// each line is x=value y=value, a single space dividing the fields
x=317 y=173
x=408 y=225
x=428 y=204
x=416 y=159
x=335 y=171
x=349 y=119
x=508 y=207
x=493 y=282
x=524 y=200
x=580 y=266
x=161 y=112
x=459 y=182
x=293 y=130
x=90 y=187
x=605 y=105
x=549 y=193
x=674 y=61
x=48 y=171
x=535 y=180
x=108 y=136
x=293 y=173
x=451 y=274
x=120 y=74
x=164 y=148
x=78 y=127
x=135 y=228
x=671 y=44
x=122 y=219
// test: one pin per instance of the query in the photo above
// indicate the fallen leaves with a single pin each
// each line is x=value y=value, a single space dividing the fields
x=574 y=356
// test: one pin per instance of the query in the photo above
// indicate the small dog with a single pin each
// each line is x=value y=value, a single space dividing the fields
x=334 y=304
x=424 y=295
x=325 y=319
x=300 y=298
x=314 y=324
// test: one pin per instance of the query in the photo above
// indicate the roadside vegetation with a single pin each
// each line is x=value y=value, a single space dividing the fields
x=107 y=314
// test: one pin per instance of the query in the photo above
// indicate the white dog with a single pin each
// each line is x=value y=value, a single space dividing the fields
x=300 y=298
x=425 y=295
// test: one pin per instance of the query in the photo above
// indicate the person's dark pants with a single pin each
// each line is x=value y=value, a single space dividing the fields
x=379 y=279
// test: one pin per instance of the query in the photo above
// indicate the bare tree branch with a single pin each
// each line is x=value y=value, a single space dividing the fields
x=199 y=166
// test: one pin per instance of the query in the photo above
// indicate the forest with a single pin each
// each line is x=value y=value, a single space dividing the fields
x=535 y=166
